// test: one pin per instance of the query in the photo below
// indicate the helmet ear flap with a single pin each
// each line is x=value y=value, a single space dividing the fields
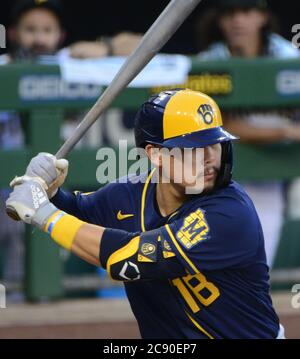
x=225 y=174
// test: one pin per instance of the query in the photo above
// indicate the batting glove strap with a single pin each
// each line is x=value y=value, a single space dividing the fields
x=42 y=216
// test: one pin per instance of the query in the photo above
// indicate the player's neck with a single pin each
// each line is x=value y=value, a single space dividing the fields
x=169 y=198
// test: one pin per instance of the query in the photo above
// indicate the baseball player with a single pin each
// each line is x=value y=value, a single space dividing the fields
x=193 y=266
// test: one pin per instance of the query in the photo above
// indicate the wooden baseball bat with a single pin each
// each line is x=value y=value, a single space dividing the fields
x=154 y=39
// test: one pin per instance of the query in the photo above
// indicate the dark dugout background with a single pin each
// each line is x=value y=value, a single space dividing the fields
x=89 y=19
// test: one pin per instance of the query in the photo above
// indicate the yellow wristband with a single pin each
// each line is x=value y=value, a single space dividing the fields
x=63 y=228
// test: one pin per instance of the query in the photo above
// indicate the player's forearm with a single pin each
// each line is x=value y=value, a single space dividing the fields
x=31 y=203
x=79 y=237
x=86 y=243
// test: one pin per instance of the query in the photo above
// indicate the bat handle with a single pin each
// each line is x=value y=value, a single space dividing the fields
x=12 y=213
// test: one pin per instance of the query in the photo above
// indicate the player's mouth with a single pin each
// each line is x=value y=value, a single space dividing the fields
x=209 y=174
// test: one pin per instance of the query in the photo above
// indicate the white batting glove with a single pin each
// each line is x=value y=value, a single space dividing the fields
x=48 y=169
x=30 y=201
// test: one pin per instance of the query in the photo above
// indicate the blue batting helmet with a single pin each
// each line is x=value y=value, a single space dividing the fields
x=185 y=119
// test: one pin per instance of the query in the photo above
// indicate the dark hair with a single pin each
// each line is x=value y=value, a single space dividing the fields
x=22 y=6
x=208 y=31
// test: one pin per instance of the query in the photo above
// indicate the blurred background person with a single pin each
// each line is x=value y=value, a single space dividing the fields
x=36 y=30
x=245 y=29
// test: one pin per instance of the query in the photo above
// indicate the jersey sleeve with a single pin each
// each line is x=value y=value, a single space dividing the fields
x=219 y=237
x=138 y=256
x=91 y=207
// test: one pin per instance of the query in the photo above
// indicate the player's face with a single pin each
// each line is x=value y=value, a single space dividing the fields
x=39 y=31
x=193 y=170
x=205 y=164
x=239 y=26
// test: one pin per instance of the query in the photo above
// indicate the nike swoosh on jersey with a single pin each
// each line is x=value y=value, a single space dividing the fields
x=122 y=216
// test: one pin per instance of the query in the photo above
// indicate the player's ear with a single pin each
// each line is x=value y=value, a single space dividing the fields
x=154 y=155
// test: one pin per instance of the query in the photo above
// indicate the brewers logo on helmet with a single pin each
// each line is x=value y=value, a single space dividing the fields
x=186 y=119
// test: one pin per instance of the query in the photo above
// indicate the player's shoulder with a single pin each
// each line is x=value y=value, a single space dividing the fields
x=234 y=192
x=232 y=195
x=228 y=213
x=232 y=202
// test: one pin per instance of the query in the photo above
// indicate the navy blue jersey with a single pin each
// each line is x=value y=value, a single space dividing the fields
x=210 y=279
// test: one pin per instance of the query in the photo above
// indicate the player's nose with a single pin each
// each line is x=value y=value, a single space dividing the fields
x=208 y=154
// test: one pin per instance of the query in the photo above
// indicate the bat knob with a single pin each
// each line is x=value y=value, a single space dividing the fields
x=12 y=213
